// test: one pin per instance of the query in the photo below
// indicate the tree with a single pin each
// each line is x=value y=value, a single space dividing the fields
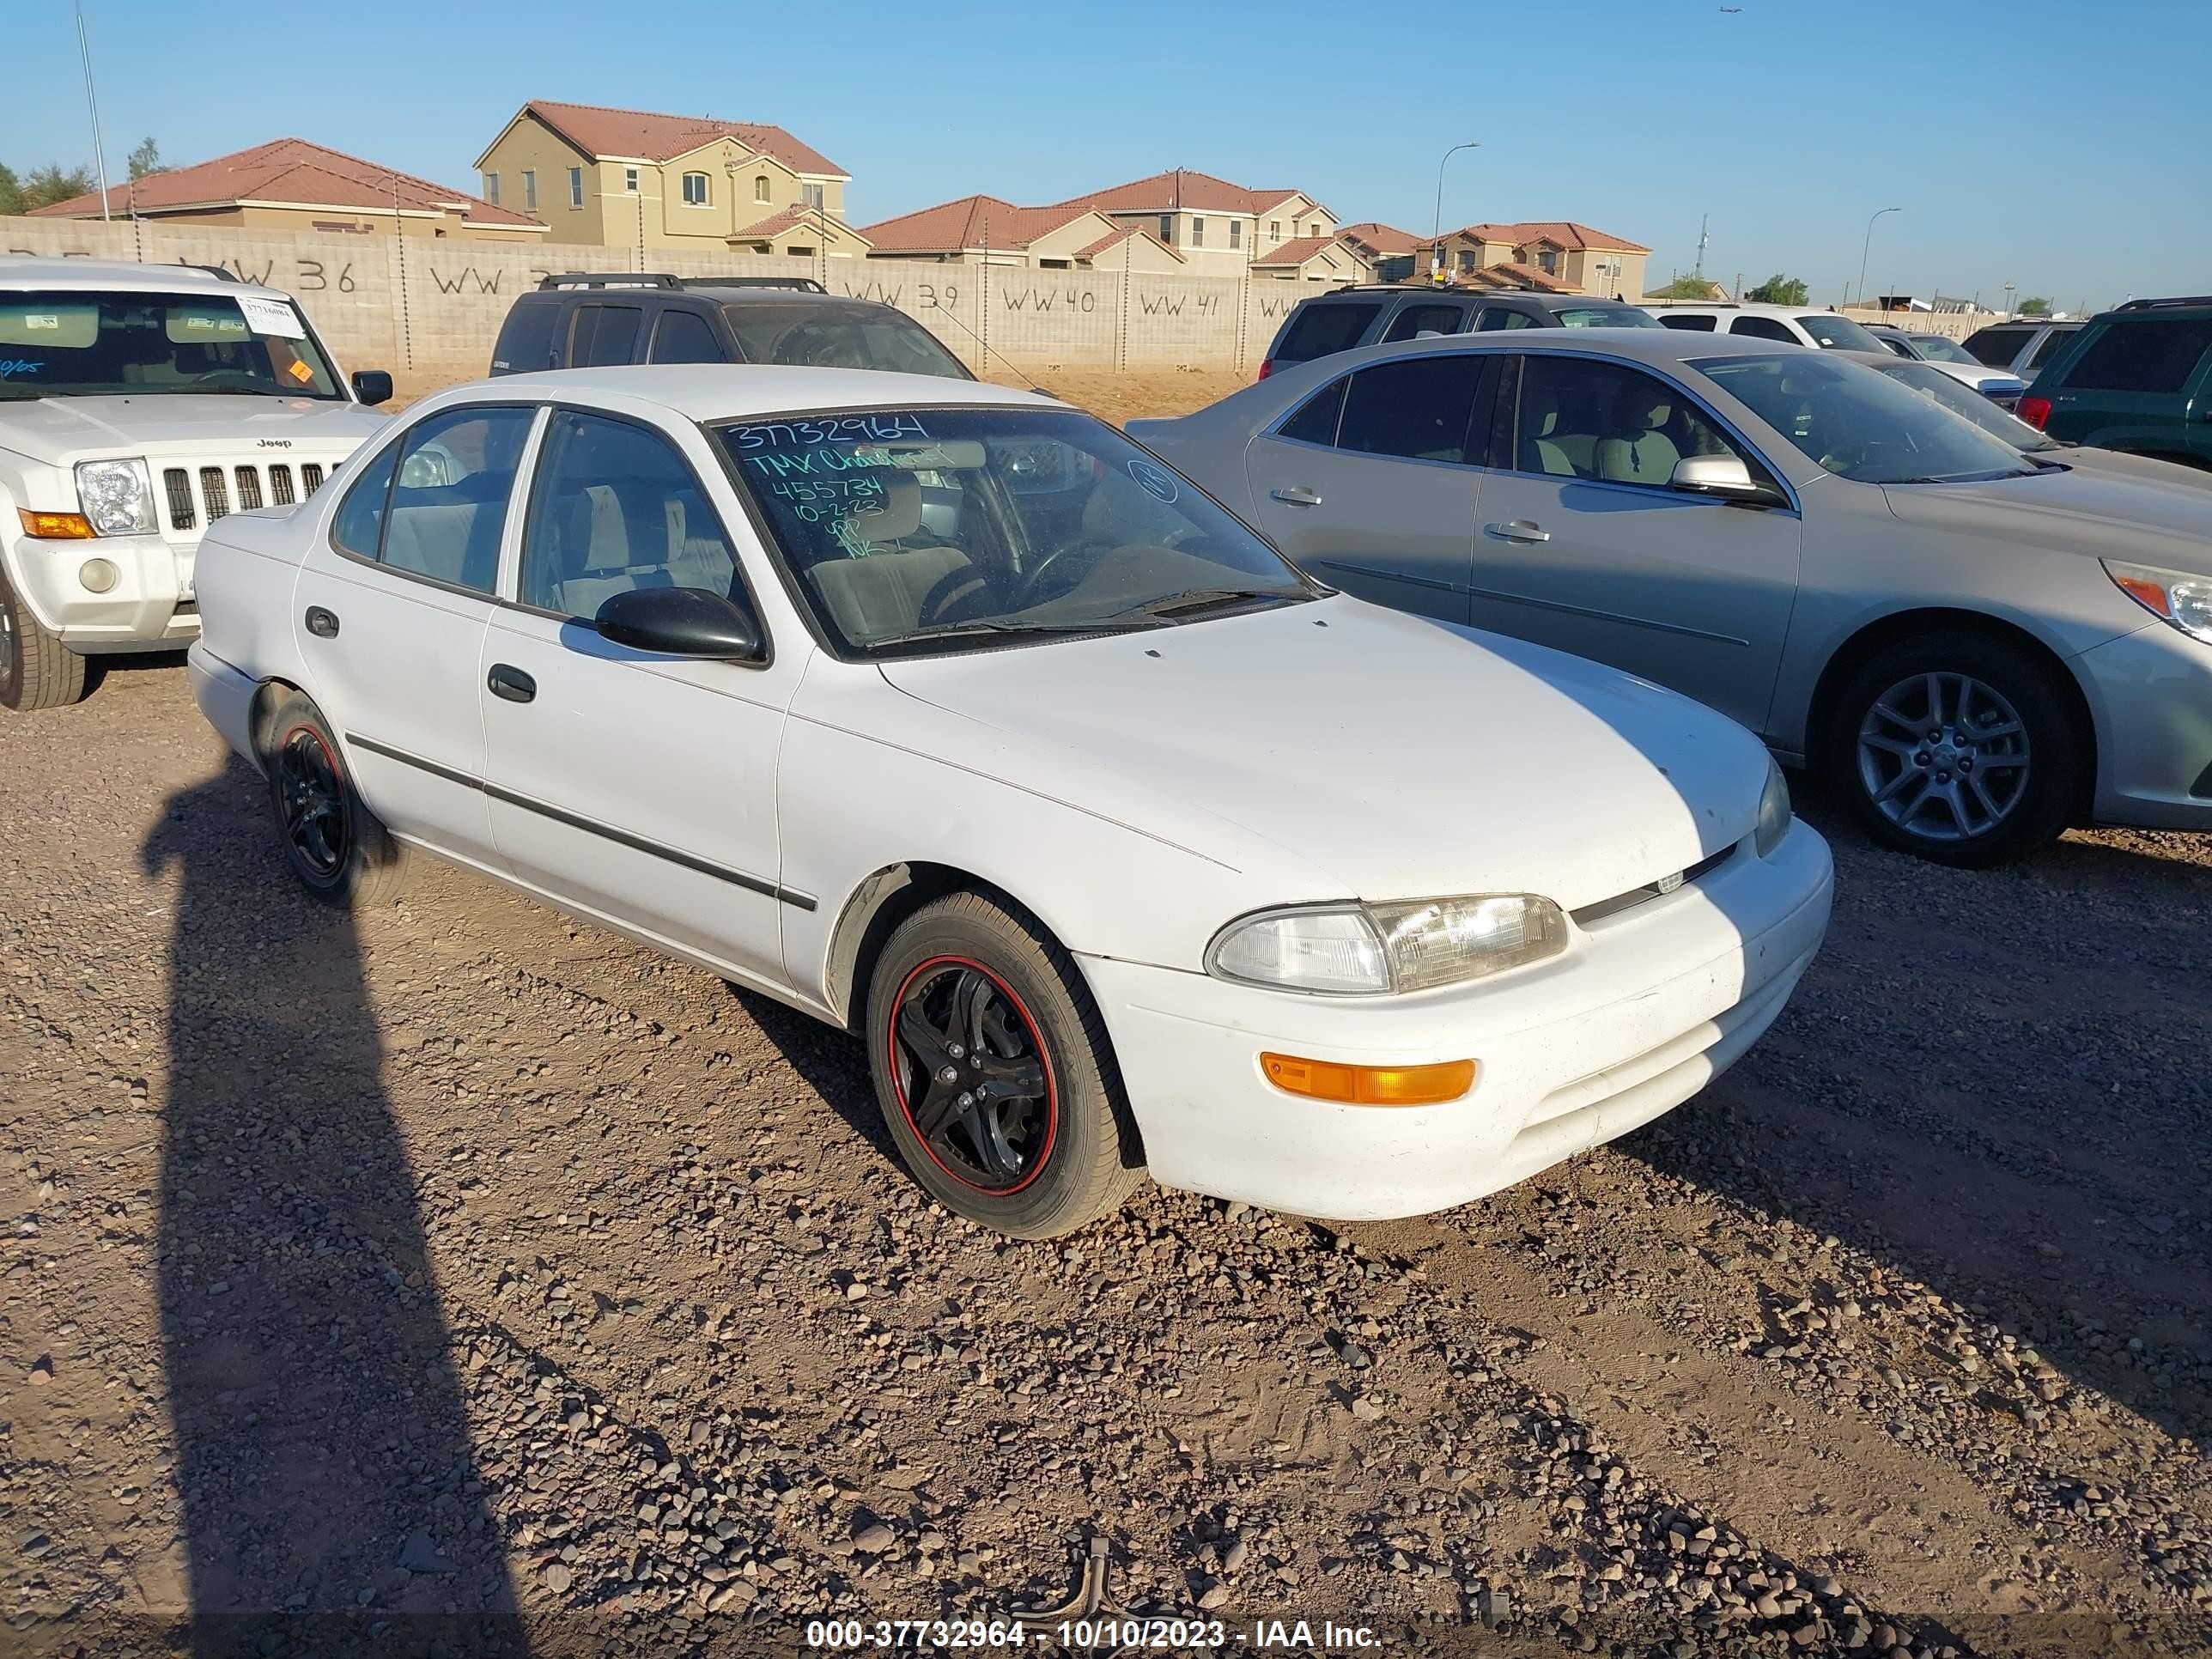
x=11 y=189
x=1780 y=290
x=146 y=158
x=49 y=184
x=1686 y=288
x=2035 y=307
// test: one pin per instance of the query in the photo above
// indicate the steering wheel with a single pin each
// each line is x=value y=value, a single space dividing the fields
x=951 y=591
x=1030 y=588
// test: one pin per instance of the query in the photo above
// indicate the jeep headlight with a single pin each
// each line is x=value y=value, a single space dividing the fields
x=1369 y=950
x=1773 y=811
x=116 y=497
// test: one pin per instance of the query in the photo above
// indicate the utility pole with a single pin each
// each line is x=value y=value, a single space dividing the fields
x=1704 y=220
x=99 y=149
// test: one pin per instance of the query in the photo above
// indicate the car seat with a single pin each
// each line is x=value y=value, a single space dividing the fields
x=880 y=591
x=1643 y=453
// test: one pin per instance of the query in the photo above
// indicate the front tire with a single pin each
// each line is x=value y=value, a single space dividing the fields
x=1956 y=748
x=993 y=1070
x=37 y=670
x=336 y=846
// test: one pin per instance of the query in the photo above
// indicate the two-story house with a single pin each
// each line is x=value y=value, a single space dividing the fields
x=630 y=179
x=1549 y=253
x=976 y=230
x=1219 y=228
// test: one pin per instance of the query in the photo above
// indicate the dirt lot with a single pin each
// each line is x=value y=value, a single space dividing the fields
x=467 y=1280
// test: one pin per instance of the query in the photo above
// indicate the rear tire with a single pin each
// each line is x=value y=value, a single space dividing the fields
x=37 y=670
x=339 y=850
x=994 y=1073
x=1956 y=748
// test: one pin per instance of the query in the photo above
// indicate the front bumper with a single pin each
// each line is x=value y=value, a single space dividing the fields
x=149 y=608
x=1647 y=1007
x=2150 y=699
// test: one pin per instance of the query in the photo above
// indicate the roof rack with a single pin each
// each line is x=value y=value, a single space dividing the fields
x=803 y=284
x=610 y=279
x=2153 y=304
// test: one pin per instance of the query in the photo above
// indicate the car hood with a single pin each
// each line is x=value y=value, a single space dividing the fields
x=2093 y=510
x=60 y=429
x=2145 y=468
x=1369 y=753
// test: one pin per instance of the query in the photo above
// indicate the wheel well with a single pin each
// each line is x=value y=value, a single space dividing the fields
x=1886 y=631
x=876 y=908
x=266 y=697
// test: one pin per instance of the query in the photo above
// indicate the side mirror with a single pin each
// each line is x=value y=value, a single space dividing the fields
x=372 y=386
x=681 y=621
x=1725 y=477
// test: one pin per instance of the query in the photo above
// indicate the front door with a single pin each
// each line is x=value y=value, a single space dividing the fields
x=636 y=787
x=1584 y=545
x=1368 y=484
x=391 y=609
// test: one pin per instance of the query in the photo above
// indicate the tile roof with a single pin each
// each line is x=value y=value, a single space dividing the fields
x=1566 y=233
x=1385 y=239
x=1115 y=239
x=290 y=170
x=1300 y=249
x=1510 y=273
x=1183 y=187
x=968 y=221
x=790 y=218
x=598 y=131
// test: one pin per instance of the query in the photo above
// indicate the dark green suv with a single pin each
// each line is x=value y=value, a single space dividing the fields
x=2138 y=379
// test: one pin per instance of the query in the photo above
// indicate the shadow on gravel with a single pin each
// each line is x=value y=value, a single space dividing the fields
x=330 y=1500
x=834 y=1064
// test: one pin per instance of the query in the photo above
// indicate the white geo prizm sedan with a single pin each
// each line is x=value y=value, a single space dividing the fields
x=952 y=717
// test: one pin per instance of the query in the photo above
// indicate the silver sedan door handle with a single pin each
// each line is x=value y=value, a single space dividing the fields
x=1520 y=530
x=1297 y=496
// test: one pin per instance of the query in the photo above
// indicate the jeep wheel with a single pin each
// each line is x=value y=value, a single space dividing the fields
x=37 y=670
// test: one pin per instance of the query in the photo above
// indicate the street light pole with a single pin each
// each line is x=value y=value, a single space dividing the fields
x=1437 y=236
x=1867 y=244
x=99 y=148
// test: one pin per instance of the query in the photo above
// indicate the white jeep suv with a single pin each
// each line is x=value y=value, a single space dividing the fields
x=138 y=404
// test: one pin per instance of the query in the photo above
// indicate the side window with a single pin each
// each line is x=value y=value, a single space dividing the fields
x=1320 y=330
x=604 y=334
x=613 y=507
x=1417 y=409
x=2047 y=348
x=1585 y=419
x=359 y=527
x=1315 y=420
x=2153 y=357
x=1692 y=323
x=1414 y=321
x=526 y=343
x=449 y=502
x=684 y=336
x=1498 y=316
x=1995 y=348
x=1763 y=328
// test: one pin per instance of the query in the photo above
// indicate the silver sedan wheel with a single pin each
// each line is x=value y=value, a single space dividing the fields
x=1944 y=757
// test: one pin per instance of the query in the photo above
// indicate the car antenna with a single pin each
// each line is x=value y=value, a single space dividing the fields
x=989 y=354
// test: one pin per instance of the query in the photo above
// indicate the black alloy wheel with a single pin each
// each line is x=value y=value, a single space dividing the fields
x=973 y=1075
x=318 y=825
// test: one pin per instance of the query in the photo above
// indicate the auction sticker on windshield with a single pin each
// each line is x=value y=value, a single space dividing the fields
x=272 y=317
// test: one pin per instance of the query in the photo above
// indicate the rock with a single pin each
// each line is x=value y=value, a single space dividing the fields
x=1494 y=1607
x=1235 y=1554
x=556 y=1576
x=1216 y=1595
x=735 y=1596
x=420 y=1555
x=42 y=1373
x=874 y=1539
x=1364 y=1409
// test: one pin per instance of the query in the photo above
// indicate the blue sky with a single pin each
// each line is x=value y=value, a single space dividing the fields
x=2061 y=150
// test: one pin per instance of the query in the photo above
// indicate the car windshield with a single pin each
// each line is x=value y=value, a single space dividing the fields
x=62 y=342
x=1934 y=349
x=1605 y=317
x=1858 y=423
x=1838 y=333
x=818 y=335
x=931 y=529
x=1963 y=400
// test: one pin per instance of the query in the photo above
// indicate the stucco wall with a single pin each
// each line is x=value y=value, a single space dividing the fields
x=435 y=307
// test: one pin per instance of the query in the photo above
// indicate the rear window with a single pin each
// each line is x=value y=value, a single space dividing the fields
x=1318 y=331
x=822 y=335
x=1416 y=320
x=1995 y=348
x=1605 y=317
x=2047 y=347
x=525 y=343
x=2154 y=357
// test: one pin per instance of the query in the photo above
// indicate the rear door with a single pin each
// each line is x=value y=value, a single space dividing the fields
x=605 y=335
x=1584 y=546
x=2134 y=384
x=1370 y=484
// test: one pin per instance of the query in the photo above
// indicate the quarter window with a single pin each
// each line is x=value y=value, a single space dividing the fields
x=576 y=187
x=1416 y=320
x=440 y=517
x=684 y=336
x=1494 y=318
x=1315 y=420
x=1690 y=322
x=1417 y=409
x=694 y=189
x=1763 y=328
x=359 y=527
x=2046 y=347
x=2154 y=357
x=1580 y=418
x=604 y=334
x=614 y=508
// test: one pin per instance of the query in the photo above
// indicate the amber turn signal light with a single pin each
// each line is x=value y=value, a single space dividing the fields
x=1370 y=1085
x=56 y=526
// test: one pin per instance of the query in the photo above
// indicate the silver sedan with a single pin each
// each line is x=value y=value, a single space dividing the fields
x=1979 y=647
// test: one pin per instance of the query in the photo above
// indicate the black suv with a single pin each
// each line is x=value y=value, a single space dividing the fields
x=1359 y=315
x=587 y=320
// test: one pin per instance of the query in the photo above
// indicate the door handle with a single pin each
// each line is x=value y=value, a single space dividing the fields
x=323 y=624
x=1520 y=530
x=1297 y=496
x=511 y=683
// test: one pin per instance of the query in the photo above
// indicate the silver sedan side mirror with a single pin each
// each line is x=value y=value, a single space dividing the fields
x=1724 y=476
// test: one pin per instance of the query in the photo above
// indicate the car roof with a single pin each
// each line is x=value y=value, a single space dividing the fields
x=115 y=277
x=1526 y=296
x=1647 y=346
x=1747 y=308
x=724 y=392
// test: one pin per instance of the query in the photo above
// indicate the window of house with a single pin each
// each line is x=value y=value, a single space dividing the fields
x=799 y=253
x=1581 y=418
x=1547 y=261
x=760 y=186
x=684 y=336
x=1197 y=232
x=694 y=189
x=576 y=187
x=614 y=508
x=1417 y=409
x=1236 y=233
x=491 y=188
x=630 y=181
x=1274 y=230
x=812 y=195
x=1313 y=230
x=1166 y=227
x=530 y=187
x=1466 y=260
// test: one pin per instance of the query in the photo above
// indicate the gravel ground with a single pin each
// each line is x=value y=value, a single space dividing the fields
x=468 y=1280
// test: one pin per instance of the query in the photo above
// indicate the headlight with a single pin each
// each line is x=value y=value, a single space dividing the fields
x=1773 y=811
x=2170 y=595
x=1367 y=949
x=116 y=497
